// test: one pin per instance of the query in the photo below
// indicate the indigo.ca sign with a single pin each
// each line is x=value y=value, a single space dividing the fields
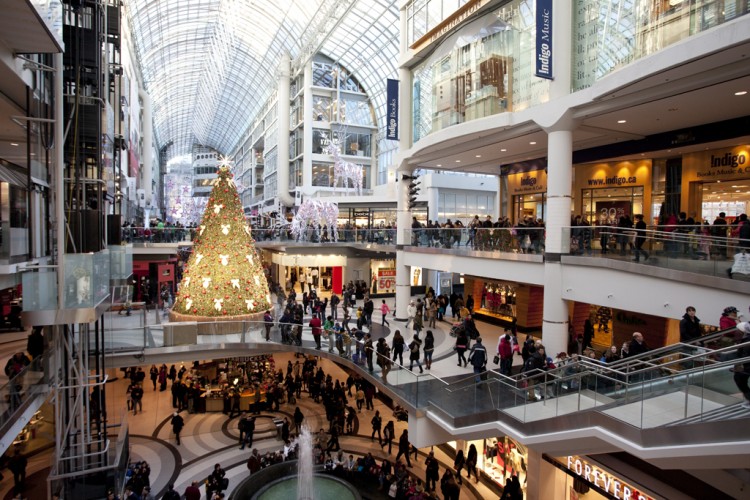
x=392 y=108
x=544 y=39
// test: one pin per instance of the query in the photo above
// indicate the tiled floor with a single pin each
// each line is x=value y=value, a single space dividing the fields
x=210 y=438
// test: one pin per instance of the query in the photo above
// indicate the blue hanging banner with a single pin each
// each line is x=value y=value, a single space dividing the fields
x=392 y=108
x=544 y=39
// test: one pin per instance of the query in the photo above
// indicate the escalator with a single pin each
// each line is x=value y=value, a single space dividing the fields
x=679 y=395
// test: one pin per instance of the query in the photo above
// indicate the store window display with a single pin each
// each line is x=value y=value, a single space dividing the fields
x=498 y=299
x=500 y=458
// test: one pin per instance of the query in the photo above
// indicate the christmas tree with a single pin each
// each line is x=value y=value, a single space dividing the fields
x=223 y=278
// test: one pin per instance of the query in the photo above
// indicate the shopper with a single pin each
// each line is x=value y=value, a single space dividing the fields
x=389 y=432
x=690 y=326
x=458 y=465
x=398 y=347
x=268 y=323
x=192 y=492
x=505 y=353
x=640 y=239
x=136 y=397
x=217 y=481
x=429 y=348
x=462 y=341
x=403 y=447
x=471 y=463
x=17 y=465
x=177 y=424
x=377 y=423
x=432 y=472
x=414 y=353
x=384 y=310
x=154 y=374
x=478 y=358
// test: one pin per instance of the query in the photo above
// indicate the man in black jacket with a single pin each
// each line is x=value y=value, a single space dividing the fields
x=690 y=326
x=637 y=345
x=177 y=424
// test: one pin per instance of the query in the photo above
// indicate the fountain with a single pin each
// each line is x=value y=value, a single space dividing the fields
x=280 y=481
x=305 y=490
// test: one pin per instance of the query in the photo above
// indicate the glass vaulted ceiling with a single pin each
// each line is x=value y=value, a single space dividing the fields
x=209 y=65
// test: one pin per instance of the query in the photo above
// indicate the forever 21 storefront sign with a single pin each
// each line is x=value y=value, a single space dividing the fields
x=611 y=485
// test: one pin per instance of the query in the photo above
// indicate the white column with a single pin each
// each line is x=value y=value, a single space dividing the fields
x=559 y=128
x=282 y=128
x=559 y=186
x=403 y=215
x=148 y=147
x=433 y=199
x=403 y=272
x=562 y=58
x=308 y=130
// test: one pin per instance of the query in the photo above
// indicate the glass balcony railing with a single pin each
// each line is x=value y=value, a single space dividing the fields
x=519 y=239
x=384 y=236
x=700 y=249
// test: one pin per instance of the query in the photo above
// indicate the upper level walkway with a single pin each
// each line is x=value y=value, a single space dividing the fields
x=680 y=265
x=692 y=249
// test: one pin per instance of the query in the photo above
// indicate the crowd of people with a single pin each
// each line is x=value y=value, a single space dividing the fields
x=525 y=236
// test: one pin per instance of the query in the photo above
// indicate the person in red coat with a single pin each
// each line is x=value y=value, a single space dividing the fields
x=316 y=326
x=192 y=492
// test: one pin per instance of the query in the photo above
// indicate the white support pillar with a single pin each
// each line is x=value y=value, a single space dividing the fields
x=403 y=272
x=559 y=185
x=282 y=128
x=148 y=147
x=403 y=214
x=308 y=130
x=433 y=200
x=559 y=188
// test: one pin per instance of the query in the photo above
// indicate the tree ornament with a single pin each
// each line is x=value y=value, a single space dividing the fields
x=206 y=282
x=198 y=258
x=217 y=304
x=186 y=281
x=235 y=283
x=250 y=304
x=225 y=228
x=249 y=259
x=217 y=208
x=203 y=228
x=224 y=259
x=188 y=304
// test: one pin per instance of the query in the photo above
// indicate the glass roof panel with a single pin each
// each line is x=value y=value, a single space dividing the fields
x=209 y=65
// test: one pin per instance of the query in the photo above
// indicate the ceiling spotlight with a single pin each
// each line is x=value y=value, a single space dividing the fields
x=532 y=142
x=439 y=165
x=477 y=156
x=741 y=92
x=503 y=150
x=458 y=161
x=14 y=144
x=622 y=121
